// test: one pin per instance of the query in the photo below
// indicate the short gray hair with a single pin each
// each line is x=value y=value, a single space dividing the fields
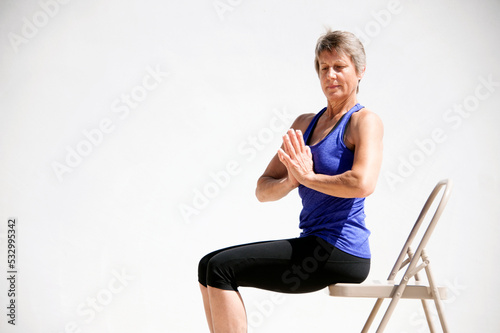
x=342 y=42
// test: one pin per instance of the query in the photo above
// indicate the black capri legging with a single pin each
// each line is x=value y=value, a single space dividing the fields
x=296 y=265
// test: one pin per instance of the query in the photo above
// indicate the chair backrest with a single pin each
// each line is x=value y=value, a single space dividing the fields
x=412 y=262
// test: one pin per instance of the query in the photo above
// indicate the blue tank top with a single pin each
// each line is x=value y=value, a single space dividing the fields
x=339 y=221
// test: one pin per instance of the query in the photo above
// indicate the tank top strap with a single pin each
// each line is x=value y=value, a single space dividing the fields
x=312 y=124
x=345 y=119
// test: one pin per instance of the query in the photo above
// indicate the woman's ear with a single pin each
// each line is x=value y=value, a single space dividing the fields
x=360 y=75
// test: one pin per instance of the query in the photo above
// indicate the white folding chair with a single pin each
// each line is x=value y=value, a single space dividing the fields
x=416 y=261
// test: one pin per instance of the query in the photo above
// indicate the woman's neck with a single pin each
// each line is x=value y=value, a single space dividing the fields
x=336 y=108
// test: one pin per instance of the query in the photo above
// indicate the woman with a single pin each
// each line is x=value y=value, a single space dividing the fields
x=333 y=158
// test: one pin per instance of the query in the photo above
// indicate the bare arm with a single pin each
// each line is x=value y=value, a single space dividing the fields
x=276 y=182
x=365 y=134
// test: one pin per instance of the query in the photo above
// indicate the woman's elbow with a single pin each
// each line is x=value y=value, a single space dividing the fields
x=259 y=196
x=363 y=193
x=259 y=191
x=365 y=188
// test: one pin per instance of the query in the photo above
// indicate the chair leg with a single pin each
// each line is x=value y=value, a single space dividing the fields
x=427 y=313
x=432 y=328
x=372 y=316
x=437 y=299
x=442 y=319
x=392 y=306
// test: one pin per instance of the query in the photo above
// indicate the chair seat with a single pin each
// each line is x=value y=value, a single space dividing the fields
x=384 y=289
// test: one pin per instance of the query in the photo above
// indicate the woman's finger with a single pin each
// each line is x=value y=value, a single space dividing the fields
x=300 y=137
x=309 y=153
x=295 y=141
x=289 y=148
x=283 y=157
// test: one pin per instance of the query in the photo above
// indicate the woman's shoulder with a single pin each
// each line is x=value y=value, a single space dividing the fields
x=363 y=124
x=365 y=115
x=303 y=121
x=365 y=121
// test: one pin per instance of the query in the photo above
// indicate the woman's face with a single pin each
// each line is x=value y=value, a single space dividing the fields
x=337 y=75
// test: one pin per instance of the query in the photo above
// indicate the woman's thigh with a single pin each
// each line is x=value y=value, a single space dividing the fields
x=292 y=265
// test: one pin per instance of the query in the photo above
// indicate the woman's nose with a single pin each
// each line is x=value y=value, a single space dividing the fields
x=331 y=73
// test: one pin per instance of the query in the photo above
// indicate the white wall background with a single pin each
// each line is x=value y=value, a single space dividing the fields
x=103 y=245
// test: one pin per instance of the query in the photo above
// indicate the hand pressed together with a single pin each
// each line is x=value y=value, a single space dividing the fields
x=296 y=157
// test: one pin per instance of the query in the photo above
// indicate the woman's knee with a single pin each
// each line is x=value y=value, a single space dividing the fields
x=220 y=273
x=202 y=269
x=214 y=271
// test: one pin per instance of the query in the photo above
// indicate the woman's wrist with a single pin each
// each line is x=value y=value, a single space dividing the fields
x=292 y=183
x=308 y=179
